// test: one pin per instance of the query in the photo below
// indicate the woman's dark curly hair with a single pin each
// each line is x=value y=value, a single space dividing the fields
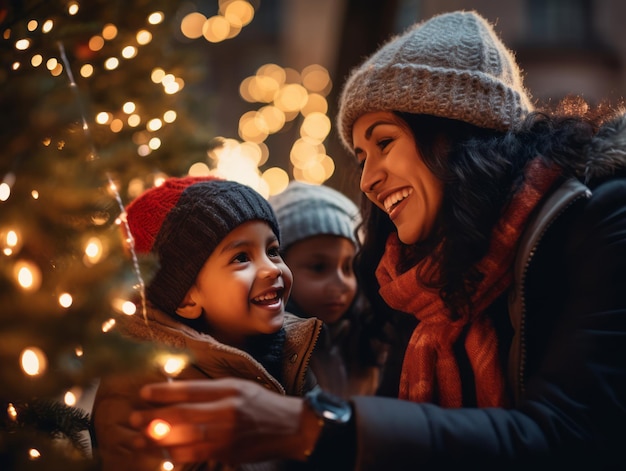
x=481 y=169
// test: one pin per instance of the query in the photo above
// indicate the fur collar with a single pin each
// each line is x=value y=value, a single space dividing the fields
x=606 y=153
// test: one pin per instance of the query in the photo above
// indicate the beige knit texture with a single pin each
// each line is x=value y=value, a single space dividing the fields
x=452 y=65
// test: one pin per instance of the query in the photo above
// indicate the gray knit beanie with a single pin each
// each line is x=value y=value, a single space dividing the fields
x=182 y=222
x=452 y=66
x=304 y=210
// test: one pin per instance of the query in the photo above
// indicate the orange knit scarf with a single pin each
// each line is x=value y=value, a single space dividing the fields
x=430 y=372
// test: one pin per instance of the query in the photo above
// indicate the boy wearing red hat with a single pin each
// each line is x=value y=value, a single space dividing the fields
x=219 y=293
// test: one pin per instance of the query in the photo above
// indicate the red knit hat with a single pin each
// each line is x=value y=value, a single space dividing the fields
x=182 y=221
x=147 y=212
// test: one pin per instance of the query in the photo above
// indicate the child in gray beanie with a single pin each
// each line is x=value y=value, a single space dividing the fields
x=317 y=225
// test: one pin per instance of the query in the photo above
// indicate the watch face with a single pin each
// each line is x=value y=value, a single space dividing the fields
x=329 y=407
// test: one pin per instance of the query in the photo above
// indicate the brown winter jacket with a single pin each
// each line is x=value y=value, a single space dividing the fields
x=117 y=395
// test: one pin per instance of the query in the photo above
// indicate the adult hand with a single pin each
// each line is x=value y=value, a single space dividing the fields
x=229 y=420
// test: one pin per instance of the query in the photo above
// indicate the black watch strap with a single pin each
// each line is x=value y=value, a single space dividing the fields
x=335 y=447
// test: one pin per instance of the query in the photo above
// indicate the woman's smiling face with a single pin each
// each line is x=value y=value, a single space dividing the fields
x=394 y=176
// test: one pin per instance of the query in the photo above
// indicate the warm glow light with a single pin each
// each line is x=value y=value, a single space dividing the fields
x=58 y=70
x=103 y=117
x=171 y=88
x=169 y=116
x=36 y=60
x=86 y=70
x=11 y=411
x=277 y=179
x=315 y=126
x=32 y=25
x=69 y=398
x=274 y=118
x=263 y=88
x=47 y=26
x=303 y=151
x=134 y=120
x=5 y=191
x=34 y=454
x=96 y=43
x=11 y=239
x=128 y=107
x=129 y=308
x=172 y=365
x=315 y=103
x=116 y=125
x=167 y=466
x=216 y=29
x=109 y=31
x=124 y=306
x=275 y=71
x=34 y=194
x=291 y=97
x=154 y=124
x=111 y=63
x=108 y=325
x=191 y=25
x=22 y=44
x=315 y=78
x=143 y=150
x=252 y=151
x=33 y=361
x=239 y=11
x=154 y=143
x=28 y=275
x=143 y=37
x=72 y=8
x=157 y=75
x=51 y=63
x=129 y=52
x=94 y=249
x=157 y=429
x=199 y=169
x=252 y=127
x=65 y=300
x=156 y=18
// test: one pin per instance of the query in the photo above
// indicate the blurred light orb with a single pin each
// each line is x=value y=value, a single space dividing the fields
x=65 y=300
x=33 y=361
x=216 y=29
x=192 y=24
x=28 y=275
x=158 y=428
x=156 y=17
x=276 y=178
x=5 y=191
x=143 y=37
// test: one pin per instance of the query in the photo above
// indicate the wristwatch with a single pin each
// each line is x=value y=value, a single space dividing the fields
x=335 y=447
x=332 y=409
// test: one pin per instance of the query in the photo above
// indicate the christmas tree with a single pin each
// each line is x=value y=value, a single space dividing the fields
x=100 y=100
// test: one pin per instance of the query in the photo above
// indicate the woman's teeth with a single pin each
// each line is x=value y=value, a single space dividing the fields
x=395 y=198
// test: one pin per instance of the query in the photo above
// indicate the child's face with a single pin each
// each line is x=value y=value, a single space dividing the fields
x=325 y=284
x=244 y=285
